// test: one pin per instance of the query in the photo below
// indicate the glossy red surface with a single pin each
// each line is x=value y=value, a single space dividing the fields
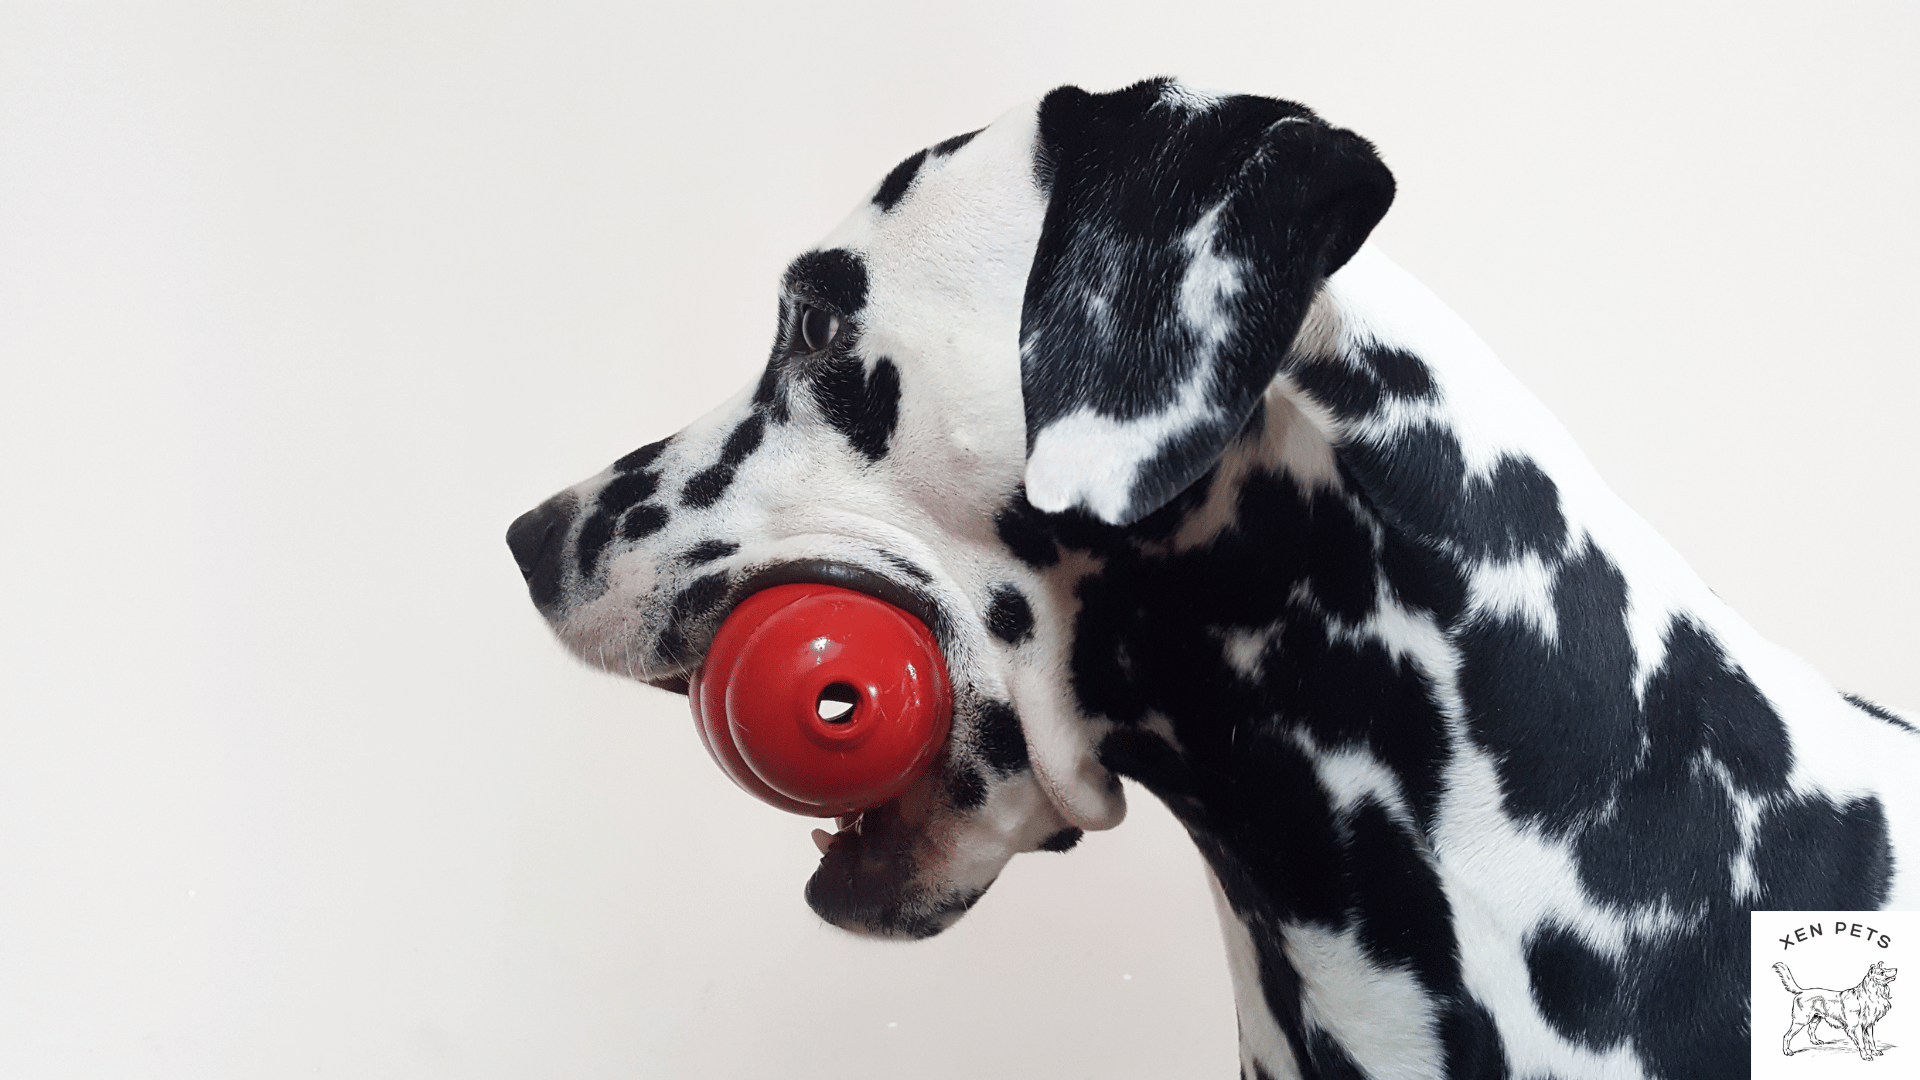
x=757 y=700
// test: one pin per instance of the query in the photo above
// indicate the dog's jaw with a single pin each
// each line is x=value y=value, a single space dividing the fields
x=911 y=868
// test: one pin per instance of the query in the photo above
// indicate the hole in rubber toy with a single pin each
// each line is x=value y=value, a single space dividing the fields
x=821 y=700
x=836 y=703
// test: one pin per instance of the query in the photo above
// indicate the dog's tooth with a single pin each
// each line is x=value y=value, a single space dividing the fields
x=822 y=840
x=845 y=820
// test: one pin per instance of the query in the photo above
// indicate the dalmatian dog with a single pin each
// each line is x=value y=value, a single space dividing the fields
x=1193 y=486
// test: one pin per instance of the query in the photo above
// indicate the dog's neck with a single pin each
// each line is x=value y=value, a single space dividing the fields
x=1310 y=654
x=1299 y=740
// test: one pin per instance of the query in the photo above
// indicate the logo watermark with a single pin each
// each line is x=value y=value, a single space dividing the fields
x=1825 y=994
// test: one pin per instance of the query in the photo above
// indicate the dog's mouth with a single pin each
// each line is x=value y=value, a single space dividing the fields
x=805 y=572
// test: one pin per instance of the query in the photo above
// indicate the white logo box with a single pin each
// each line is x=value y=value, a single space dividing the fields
x=1829 y=954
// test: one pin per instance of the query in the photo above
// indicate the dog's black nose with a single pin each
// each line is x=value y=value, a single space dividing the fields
x=533 y=538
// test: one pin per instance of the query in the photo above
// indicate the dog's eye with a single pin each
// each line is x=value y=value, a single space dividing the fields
x=818 y=328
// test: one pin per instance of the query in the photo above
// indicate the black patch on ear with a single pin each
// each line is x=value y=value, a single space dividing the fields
x=1008 y=615
x=707 y=551
x=835 y=277
x=1130 y=177
x=862 y=406
x=704 y=488
x=1064 y=840
x=897 y=181
x=1878 y=712
x=1000 y=739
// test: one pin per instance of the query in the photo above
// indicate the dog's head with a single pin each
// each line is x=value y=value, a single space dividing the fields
x=1065 y=316
x=1881 y=974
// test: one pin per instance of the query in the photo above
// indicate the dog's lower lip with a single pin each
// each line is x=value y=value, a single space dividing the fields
x=676 y=684
x=844 y=824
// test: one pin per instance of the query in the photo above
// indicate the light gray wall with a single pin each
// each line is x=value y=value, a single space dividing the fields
x=300 y=304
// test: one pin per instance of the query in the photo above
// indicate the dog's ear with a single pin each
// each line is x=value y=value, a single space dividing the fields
x=1184 y=238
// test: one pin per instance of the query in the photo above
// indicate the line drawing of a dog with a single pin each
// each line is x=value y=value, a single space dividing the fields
x=1195 y=487
x=1854 y=1011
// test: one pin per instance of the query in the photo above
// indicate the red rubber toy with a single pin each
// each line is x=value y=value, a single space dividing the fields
x=781 y=660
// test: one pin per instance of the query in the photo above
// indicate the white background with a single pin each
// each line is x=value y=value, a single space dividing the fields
x=301 y=304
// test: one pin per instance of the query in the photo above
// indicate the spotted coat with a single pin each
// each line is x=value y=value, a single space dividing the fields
x=1195 y=487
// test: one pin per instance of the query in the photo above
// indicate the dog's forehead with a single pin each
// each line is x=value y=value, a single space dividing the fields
x=956 y=223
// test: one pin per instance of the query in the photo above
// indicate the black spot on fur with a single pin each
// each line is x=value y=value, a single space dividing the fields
x=1327 y=1058
x=1561 y=719
x=1009 y=616
x=969 y=790
x=897 y=181
x=623 y=491
x=1400 y=373
x=700 y=597
x=1421 y=577
x=1578 y=990
x=894 y=187
x=744 y=439
x=642 y=457
x=767 y=394
x=835 y=277
x=707 y=551
x=1000 y=739
x=862 y=406
x=1405 y=919
x=1064 y=840
x=1351 y=388
x=1880 y=713
x=1701 y=713
x=1417 y=481
x=1472 y=1043
x=907 y=567
x=1269 y=814
x=595 y=532
x=1811 y=855
x=1024 y=531
x=705 y=487
x=643 y=521
x=620 y=493
x=945 y=147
